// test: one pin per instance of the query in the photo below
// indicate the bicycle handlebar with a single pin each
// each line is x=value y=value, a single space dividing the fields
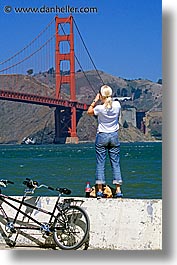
x=47 y=187
x=50 y=188
x=11 y=182
x=4 y=182
x=33 y=184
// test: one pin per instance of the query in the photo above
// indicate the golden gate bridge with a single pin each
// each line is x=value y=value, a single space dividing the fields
x=53 y=49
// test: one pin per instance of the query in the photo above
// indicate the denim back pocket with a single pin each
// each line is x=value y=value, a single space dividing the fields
x=102 y=139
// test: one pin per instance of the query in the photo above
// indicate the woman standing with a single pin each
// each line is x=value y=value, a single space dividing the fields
x=107 y=138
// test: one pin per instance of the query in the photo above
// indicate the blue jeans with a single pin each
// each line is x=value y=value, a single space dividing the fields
x=107 y=142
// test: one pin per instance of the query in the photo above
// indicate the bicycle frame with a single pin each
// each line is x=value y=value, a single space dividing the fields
x=67 y=222
x=4 y=199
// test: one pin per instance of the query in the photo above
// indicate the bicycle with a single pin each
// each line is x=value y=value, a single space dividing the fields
x=68 y=223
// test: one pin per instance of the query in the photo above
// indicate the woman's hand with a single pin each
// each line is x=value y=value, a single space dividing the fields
x=97 y=98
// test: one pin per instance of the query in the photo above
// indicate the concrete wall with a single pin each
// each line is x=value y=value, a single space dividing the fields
x=121 y=224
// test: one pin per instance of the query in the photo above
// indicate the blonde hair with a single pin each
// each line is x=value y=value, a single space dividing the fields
x=106 y=93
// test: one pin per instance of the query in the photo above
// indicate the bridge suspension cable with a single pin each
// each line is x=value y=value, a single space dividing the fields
x=89 y=55
x=31 y=70
x=28 y=45
x=88 y=52
x=26 y=58
x=37 y=59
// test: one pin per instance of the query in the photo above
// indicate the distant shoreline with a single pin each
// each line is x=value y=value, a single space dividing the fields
x=155 y=141
x=81 y=142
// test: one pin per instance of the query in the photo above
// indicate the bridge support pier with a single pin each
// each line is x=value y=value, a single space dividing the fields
x=65 y=125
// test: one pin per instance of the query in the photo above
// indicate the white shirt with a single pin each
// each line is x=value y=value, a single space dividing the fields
x=108 y=119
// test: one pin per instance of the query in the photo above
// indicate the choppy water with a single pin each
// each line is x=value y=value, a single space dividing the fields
x=72 y=165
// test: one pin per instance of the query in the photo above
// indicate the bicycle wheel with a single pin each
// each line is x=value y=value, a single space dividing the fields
x=71 y=228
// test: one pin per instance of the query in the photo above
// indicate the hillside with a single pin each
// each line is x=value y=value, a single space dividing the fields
x=18 y=120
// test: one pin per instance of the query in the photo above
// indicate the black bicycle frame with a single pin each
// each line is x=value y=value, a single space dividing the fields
x=23 y=203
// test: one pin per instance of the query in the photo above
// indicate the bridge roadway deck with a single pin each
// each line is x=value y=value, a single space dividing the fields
x=115 y=224
x=40 y=100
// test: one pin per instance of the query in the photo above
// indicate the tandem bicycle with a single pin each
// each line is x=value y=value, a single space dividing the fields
x=68 y=222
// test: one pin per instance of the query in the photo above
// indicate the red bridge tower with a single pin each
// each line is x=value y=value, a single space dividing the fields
x=65 y=118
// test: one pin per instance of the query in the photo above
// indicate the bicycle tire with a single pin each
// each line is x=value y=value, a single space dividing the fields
x=71 y=228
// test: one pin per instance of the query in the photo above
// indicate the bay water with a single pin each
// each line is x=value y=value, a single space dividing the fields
x=71 y=166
